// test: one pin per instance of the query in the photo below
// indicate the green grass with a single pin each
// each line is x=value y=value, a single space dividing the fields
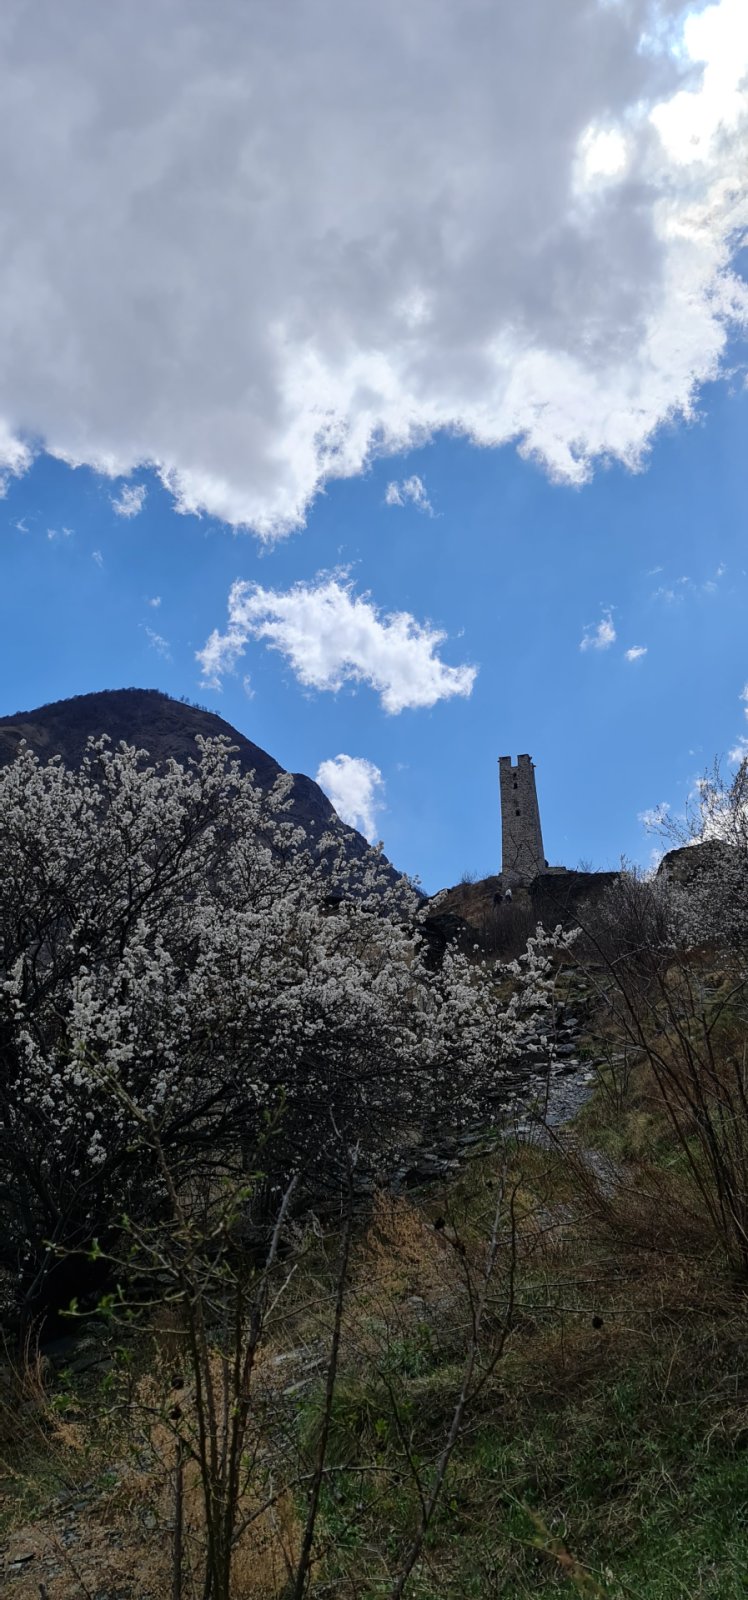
x=624 y=1446
x=608 y=1453
x=642 y=1474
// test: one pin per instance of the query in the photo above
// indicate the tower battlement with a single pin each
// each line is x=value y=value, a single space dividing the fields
x=522 y=855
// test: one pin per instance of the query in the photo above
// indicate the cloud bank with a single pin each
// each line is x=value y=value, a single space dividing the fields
x=356 y=788
x=331 y=636
x=254 y=244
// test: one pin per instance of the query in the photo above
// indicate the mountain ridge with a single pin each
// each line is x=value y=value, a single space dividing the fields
x=167 y=728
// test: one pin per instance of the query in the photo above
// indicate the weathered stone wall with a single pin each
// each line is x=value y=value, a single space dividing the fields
x=522 y=856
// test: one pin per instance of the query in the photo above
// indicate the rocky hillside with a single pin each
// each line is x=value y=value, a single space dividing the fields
x=166 y=728
x=552 y=898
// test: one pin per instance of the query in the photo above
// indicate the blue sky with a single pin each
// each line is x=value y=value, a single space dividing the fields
x=510 y=566
x=376 y=375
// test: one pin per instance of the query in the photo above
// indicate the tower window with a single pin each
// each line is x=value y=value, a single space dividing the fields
x=517 y=812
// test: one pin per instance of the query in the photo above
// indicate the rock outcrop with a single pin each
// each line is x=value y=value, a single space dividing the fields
x=554 y=898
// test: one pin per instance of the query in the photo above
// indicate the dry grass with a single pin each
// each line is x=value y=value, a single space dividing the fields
x=403 y=1255
x=624 y=1369
x=117 y=1539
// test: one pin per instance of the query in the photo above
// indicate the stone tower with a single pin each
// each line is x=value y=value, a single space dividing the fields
x=522 y=855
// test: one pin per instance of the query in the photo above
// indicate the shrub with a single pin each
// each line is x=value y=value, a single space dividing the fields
x=168 y=943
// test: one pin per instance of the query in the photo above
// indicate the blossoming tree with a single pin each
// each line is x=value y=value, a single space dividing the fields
x=169 y=941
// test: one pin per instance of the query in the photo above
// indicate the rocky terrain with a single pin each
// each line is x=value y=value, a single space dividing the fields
x=554 y=897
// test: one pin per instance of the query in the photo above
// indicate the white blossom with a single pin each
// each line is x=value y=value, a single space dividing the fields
x=172 y=952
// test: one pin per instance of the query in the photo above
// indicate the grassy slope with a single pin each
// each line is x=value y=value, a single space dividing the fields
x=608 y=1452
x=619 y=1417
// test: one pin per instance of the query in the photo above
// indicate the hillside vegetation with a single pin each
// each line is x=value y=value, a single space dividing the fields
x=528 y=1380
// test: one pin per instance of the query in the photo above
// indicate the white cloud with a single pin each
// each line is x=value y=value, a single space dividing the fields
x=159 y=644
x=693 y=122
x=288 y=237
x=97 y=557
x=21 y=525
x=673 y=593
x=331 y=636
x=652 y=816
x=712 y=584
x=655 y=857
x=413 y=489
x=601 y=636
x=15 y=456
x=356 y=788
x=602 y=154
x=739 y=750
x=154 y=601
x=130 y=502
x=677 y=590
x=636 y=652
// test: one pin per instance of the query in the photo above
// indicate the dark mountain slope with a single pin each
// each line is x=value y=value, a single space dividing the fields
x=167 y=729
